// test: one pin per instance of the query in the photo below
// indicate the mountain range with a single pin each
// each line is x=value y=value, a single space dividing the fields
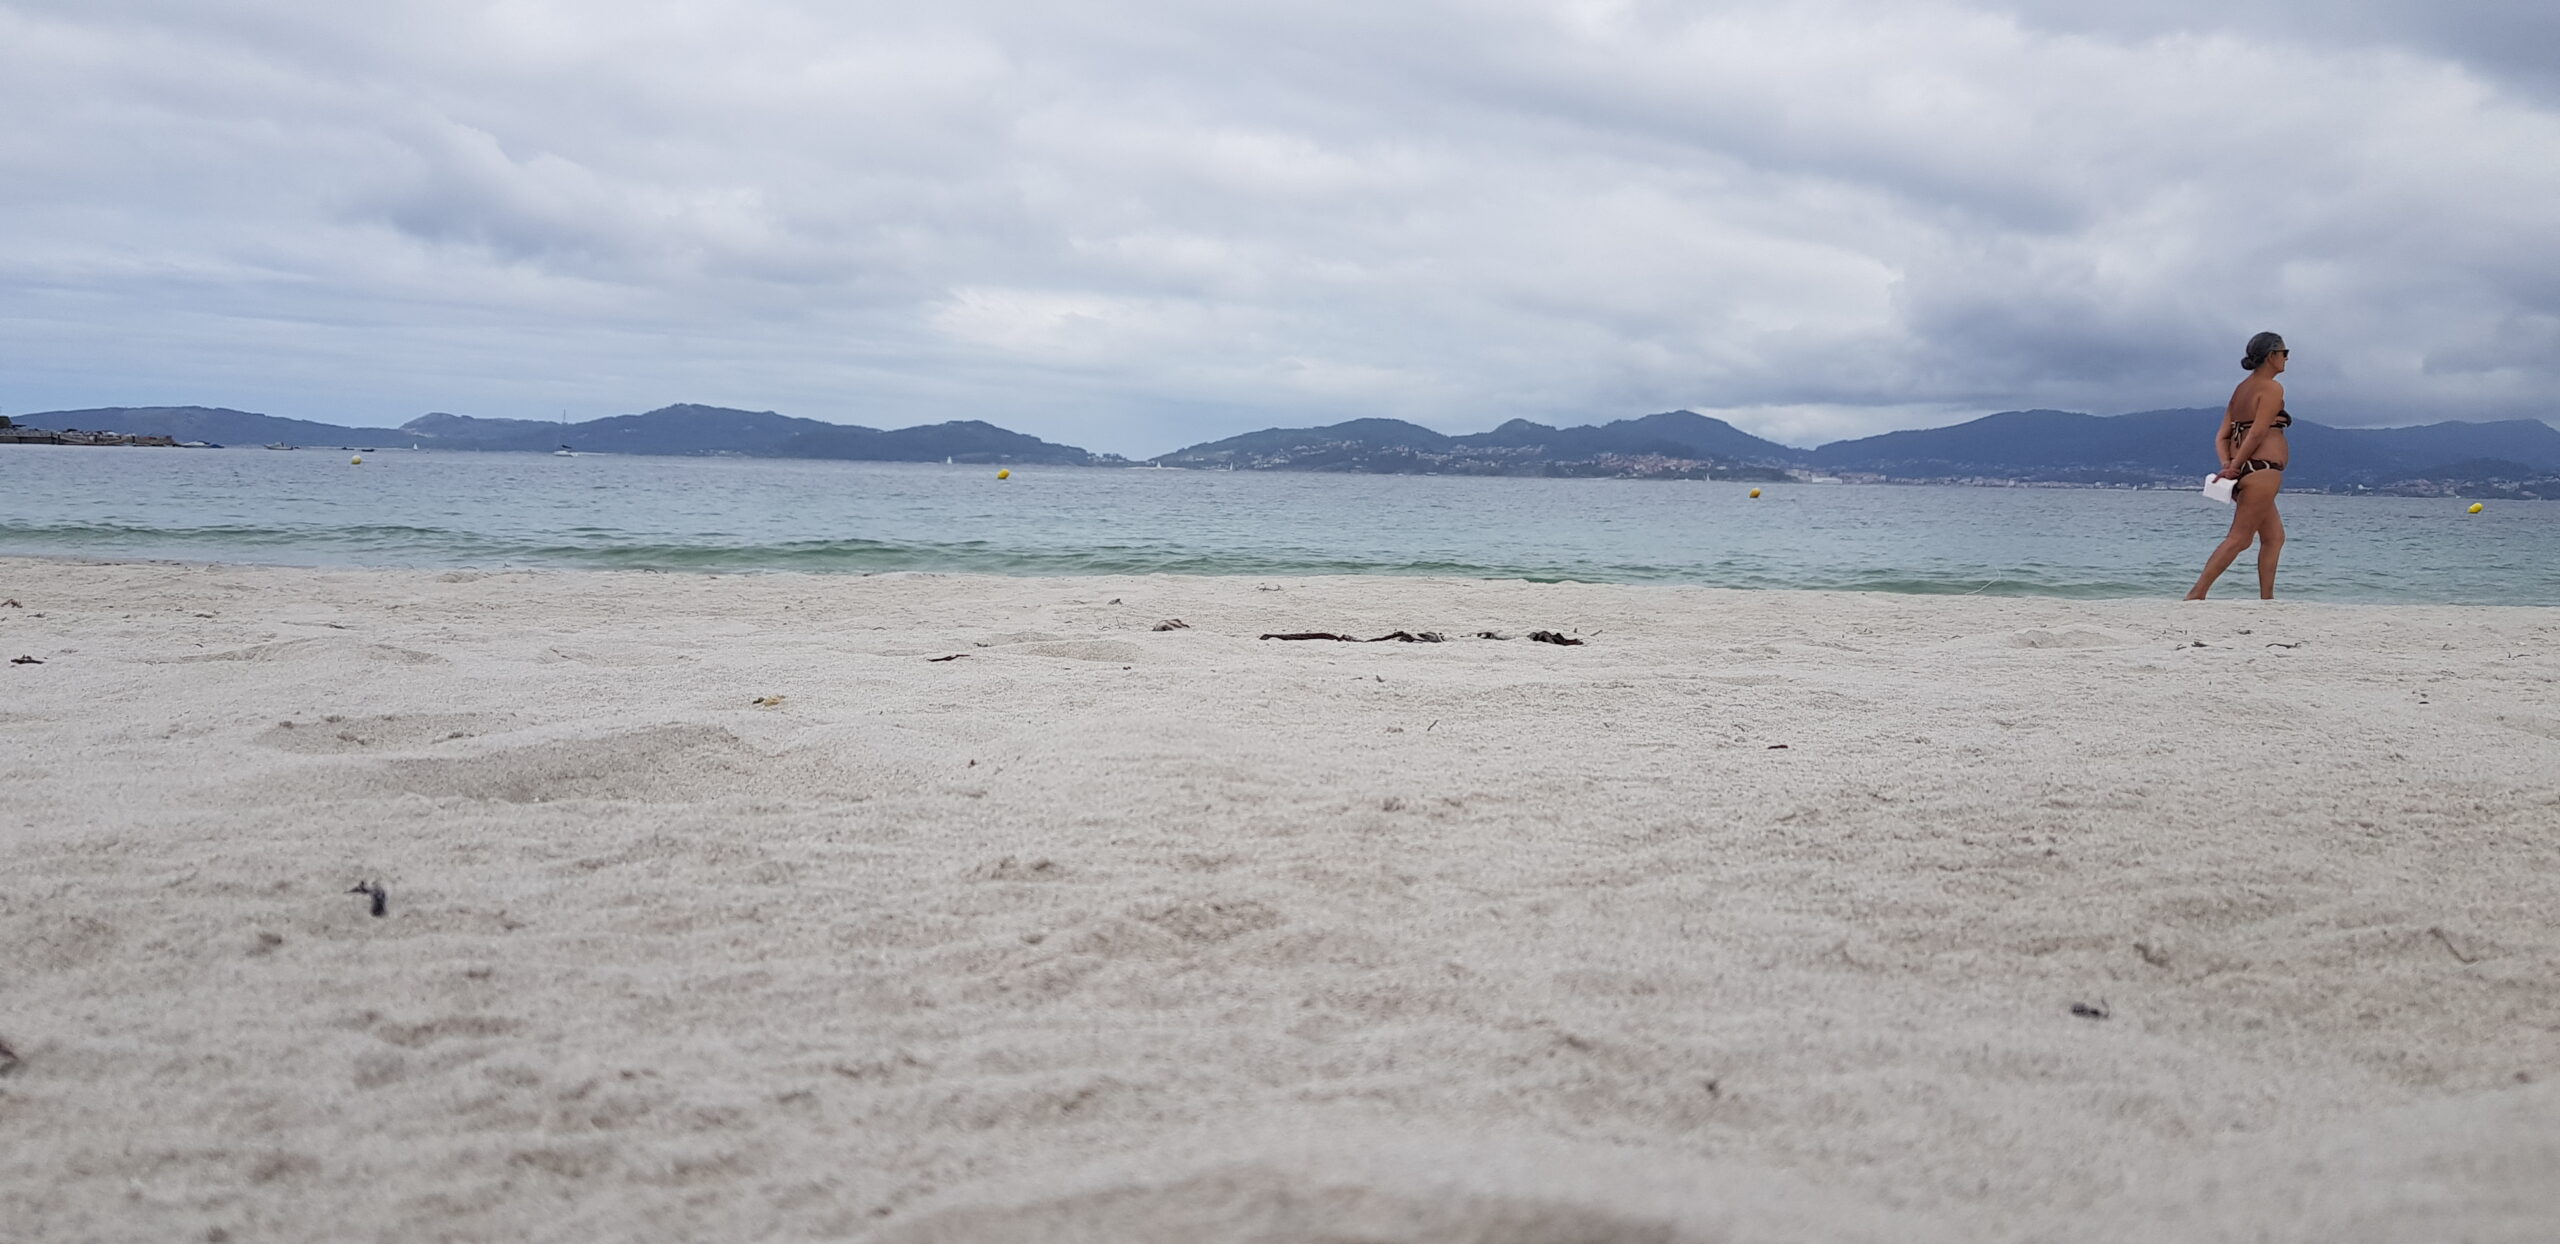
x=1676 y=442
x=2172 y=445
x=679 y=429
x=2052 y=446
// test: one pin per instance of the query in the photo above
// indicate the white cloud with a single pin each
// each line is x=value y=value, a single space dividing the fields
x=1135 y=225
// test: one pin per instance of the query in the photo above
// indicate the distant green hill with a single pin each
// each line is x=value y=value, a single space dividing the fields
x=670 y=430
x=1672 y=434
x=2055 y=445
x=1304 y=445
x=206 y=423
x=1392 y=446
x=693 y=429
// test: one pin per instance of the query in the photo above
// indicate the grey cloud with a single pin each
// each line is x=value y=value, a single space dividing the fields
x=1133 y=225
x=2517 y=44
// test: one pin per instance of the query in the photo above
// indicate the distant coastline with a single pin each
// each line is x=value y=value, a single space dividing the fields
x=2516 y=459
x=11 y=434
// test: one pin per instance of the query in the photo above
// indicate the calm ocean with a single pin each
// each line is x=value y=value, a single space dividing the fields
x=404 y=508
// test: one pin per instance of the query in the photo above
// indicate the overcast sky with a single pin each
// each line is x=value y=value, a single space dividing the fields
x=1132 y=225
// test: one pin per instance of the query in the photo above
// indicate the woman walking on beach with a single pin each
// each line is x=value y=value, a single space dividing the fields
x=2252 y=447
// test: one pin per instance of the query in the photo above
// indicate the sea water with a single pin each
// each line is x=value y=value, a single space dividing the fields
x=456 y=509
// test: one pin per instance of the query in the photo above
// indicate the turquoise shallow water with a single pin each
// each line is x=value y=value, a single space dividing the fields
x=428 y=509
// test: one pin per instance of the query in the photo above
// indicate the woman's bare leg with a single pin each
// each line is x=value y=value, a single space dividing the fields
x=2243 y=530
x=2270 y=544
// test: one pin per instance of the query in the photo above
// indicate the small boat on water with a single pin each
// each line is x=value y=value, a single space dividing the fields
x=282 y=445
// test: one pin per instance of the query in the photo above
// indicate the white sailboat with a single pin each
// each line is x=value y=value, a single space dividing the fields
x=563 y=450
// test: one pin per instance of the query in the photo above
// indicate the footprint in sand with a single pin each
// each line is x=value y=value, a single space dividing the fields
x=1334 y=1186
x=654 y=764
x=2076 y=637
x=1250 y=1203
x=306 y=650
x=398 y=732
x=1117 y=652
x=1019 y=637
x=1209 y=921
x=1013 y=868
x=42 y=942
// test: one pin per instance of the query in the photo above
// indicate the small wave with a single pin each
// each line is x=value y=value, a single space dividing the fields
x=595 y=548
x=424 y=546
x=223 y=534
x=2012 y=583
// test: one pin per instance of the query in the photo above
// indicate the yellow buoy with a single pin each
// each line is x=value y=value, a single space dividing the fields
x=1755 y=492
x=2475 y=507
x=358 y=460
x=1004 y=475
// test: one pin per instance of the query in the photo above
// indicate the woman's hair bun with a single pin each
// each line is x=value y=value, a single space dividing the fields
x=2260 y=347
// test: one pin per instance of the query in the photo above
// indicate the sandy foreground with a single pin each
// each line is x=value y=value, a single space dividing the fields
x=1759 y=917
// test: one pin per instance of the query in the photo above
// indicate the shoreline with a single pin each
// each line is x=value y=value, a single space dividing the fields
x=1760 y=915
x=2234 y=588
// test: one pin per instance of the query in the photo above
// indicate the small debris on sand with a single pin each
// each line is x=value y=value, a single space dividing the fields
x=1551 y=637
x=1402 y=637
x=2437 y=932
x=24 y=660
x=1169 y=624
x=381 y=897
x=953 y=657
x=767 y=701
x=2086 y=1011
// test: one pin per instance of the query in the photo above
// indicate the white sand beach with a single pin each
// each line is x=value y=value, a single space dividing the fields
x=1759 y=916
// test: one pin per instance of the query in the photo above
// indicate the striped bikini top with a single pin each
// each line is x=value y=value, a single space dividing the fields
x=2284 y=419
